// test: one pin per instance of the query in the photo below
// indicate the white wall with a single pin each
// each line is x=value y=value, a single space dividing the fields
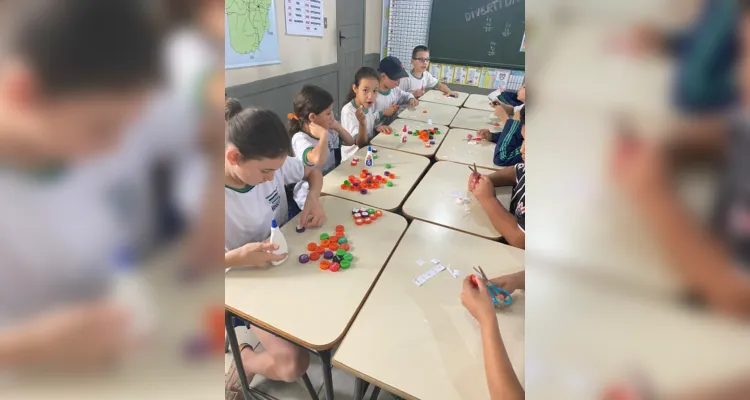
x=373 y=25
x=297 y=52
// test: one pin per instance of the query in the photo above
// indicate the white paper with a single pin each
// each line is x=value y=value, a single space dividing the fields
x=435 y=261
x=420 y=262
x=304 y=17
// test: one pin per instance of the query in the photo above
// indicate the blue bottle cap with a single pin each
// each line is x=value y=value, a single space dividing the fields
x=274 y=224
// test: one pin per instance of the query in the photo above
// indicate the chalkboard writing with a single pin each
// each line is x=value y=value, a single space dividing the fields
x=478 y=33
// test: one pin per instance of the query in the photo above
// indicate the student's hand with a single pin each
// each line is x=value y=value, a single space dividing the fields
x=336 y=126
x=259 y=254
x=413 y=103
x=312 y=214
x=360 y=114
x=318 y=131
x=418 y=92
x=452 y=94
x=517 y=115
x=390 y=110
x=483 y=189
x=511 y=282
x=384 y=129
x=80 y=337
x=485 y=134
x=478 y=302
x=642 y=40
x=501 y=111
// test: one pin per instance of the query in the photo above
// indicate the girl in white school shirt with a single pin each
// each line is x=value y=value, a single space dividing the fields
x=257 y=167
x=316 y=136
x=358 y=116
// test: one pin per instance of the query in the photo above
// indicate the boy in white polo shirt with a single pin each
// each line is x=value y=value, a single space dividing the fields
x=420 y=79
x=390 y=96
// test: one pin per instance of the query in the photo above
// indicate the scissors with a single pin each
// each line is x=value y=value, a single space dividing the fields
x=493 y=289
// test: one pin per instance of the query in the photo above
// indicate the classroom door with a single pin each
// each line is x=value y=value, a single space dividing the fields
x=350 y=17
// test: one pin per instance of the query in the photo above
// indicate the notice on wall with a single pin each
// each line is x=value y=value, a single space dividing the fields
x=436 y=70
x=304 y=17
x=446 y=76
x=473 y=75
x=459 y=75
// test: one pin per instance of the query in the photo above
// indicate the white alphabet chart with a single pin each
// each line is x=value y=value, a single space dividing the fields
x=304 y=17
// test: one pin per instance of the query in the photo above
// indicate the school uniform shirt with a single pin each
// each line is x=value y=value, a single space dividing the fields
x=351 y=124
x=411 y=83
x=248 y=211
x=303 y=143
x=508 y=147
x=707 y=53
x=732 y=213
x=390 y=97
x=518 y=197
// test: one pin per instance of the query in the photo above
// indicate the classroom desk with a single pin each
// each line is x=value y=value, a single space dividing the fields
x=584 y=220
x=433 y=202
x=304 y=304
x=478 y=102
x=440 y=114
x=468 y=118
x=456 y=149
x=420 y=342
x=583 y=335
x=436 y=96
x=413 y=144
x=407 y=167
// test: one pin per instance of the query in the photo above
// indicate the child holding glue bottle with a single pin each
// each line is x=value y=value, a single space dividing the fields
x=358 y=116
x=257 y=166
x=316 y=135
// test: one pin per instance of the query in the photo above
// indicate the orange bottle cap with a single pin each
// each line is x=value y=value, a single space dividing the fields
x=333 y=246
x=379 y=213
x=320 y=250
x=325 y=242
x=314 y=256
x=324 y=264
x=345 y=246
x=311 y=246
x=359 y=222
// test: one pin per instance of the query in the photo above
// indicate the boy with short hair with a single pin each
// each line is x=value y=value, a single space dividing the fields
x=419 y=78
x=390 y=96
x=71 y=78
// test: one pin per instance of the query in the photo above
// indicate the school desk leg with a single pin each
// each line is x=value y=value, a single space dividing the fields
x=309 y=386
x=232 y=336
x=360 y=387
x=375 y=393
x=325 y=357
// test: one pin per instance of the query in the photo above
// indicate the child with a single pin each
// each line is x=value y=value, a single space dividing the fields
x=358 y=116
x=62 y=108
x=419 y=78
x=502 y=381
x=509 y=140
x=510 y=224
x=316 y=136
x=256 y=169
x=510 y=101
x=390 y=96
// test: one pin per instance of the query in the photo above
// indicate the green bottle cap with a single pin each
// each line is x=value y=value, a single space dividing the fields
x=323 y=236
x=389 y=184
x=348 y=257
x=342 y=240
x=345 y=264
x=340 y=252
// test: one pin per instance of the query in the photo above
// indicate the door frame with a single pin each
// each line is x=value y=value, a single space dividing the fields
x=339 y=53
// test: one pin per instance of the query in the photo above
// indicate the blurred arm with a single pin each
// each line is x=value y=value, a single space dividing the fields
x=705 y=264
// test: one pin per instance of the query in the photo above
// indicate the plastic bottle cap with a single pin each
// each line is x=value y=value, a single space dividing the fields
x=333 y=246
x=379 y=213
x=319 y=249
x=359 y=221
x=348 y=256
x=363 y=191
x=334 y=267
x=368 y=221
x=323 y=236
x=371 y=211
x=325 y=264
x=345 y=264
x=314 y=256
x=311 y=246
x=345 y=246
x=304 y=258
x=328 y=255
x=337 y=259
x=274 y=224
x=339 y=228
x=342 y=240
x=340 y=252
x=389 y=184
x=325 y=242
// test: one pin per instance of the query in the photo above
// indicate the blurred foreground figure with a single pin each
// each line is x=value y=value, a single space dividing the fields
x=73 y=75
x=706 y=54
x=716 y=263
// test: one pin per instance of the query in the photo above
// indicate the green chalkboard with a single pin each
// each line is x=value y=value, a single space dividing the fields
x=485 y=33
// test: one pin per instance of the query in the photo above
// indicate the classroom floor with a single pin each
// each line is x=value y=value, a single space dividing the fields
x=343 y=382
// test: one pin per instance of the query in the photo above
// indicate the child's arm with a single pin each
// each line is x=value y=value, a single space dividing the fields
x=312 y=213
x=344 y=135
x=503 y=221
x=445 y=89
x=252 y=255
x=406 y=97
x=356 y=123
x=503 y=177
x=318 y=155
x=501 y=378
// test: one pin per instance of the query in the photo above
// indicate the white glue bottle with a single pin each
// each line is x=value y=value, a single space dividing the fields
x=278 y=239
x=368 y=157
x=131 y=291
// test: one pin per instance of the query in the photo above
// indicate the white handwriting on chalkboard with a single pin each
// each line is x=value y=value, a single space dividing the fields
x=492 y=49
x=506 y=32
x=492 y=6
x=488 y=25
